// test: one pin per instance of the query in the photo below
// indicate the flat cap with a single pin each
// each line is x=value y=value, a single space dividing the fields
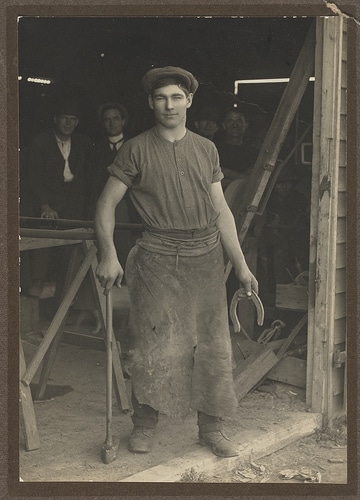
x=155 y=74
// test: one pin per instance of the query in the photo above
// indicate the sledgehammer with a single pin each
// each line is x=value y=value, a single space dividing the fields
x=109 y=448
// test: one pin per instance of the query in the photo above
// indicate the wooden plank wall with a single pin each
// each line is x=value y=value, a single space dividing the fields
x=339 y=373
x=327 y=287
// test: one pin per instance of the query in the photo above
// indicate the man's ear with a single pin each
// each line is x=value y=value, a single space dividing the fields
x=150 y=101
x=189 y=100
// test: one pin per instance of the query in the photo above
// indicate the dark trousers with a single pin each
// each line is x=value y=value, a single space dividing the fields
x=146 y=416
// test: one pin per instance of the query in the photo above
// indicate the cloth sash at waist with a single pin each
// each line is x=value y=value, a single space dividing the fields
x=180 y=243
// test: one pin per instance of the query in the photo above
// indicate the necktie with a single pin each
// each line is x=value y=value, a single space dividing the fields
x=65 y=147
x=116 y=145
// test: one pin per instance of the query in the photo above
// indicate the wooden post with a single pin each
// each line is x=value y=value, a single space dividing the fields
x=324 y=219
x=28 y=419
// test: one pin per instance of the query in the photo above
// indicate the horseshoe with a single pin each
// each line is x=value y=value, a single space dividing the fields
x=239 y=295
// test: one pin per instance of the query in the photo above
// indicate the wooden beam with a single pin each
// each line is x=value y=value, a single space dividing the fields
x=291 y=371
x=248 y=373
x=294 y=332
x=291 y=296
x=57 y=234
x=27 y=243
x=28 y=419
x=269 y=152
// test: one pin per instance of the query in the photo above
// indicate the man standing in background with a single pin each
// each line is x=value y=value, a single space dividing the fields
x=113 y=118
x=55 y=181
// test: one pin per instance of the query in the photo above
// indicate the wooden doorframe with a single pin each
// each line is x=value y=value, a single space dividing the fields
x=324 y=212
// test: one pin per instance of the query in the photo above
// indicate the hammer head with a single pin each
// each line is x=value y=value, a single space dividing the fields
x=109 y=452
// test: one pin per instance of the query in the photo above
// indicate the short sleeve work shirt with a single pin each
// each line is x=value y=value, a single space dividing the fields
x=169 y=182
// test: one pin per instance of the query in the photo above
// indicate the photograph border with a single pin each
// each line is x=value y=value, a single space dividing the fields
x=9 y=309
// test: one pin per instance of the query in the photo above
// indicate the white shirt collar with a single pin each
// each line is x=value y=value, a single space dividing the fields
x=115 y=138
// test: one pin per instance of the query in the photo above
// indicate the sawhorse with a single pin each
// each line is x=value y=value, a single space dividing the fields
x=48 y=347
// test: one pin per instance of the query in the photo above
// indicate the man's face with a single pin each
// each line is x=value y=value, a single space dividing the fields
x=283 y=188
x=234 y=124
x=207 y=127
x=170 y=104
x=113 y=122
x=66 y=124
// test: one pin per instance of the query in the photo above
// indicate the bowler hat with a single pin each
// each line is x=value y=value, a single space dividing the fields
x=68 y=107
x=288 y=173
x=156 y=74
x=208 y=113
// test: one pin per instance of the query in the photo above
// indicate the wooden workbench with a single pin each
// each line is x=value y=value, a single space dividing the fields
x=83 y=241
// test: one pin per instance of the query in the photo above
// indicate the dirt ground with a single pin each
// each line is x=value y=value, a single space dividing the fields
x=320 y=458
x=71 y=423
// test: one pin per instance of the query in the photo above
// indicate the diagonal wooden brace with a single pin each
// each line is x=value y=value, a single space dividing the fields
x=272 y=144
x=58 y=318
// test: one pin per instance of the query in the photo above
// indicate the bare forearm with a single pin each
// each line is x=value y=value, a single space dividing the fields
x=229 y=238
x=104 y=220
x=104 y=227
x=109 y=270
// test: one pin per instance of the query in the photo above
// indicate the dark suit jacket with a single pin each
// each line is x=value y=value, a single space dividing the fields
x=44 y=175
x=101 y=157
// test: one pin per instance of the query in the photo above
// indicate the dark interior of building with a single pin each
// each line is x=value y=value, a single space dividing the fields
x=98 y=59
x=102 y=59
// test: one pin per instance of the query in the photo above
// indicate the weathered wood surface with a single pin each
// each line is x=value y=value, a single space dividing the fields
x=293 y=297
x=249 y=372
x=290 y=371
x=328 y=229
x=27 y=413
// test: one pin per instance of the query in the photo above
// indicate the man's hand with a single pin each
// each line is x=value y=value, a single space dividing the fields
x=109 y=273
x=48 y=213
x=247 y=279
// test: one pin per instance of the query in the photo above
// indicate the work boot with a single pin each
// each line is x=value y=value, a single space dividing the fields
x=141 y=439
x=145 y=419
x=211 y=434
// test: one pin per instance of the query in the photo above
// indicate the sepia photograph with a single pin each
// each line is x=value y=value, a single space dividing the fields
x=177 y=326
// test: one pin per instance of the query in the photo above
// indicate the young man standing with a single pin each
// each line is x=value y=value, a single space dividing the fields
x=175 y=273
